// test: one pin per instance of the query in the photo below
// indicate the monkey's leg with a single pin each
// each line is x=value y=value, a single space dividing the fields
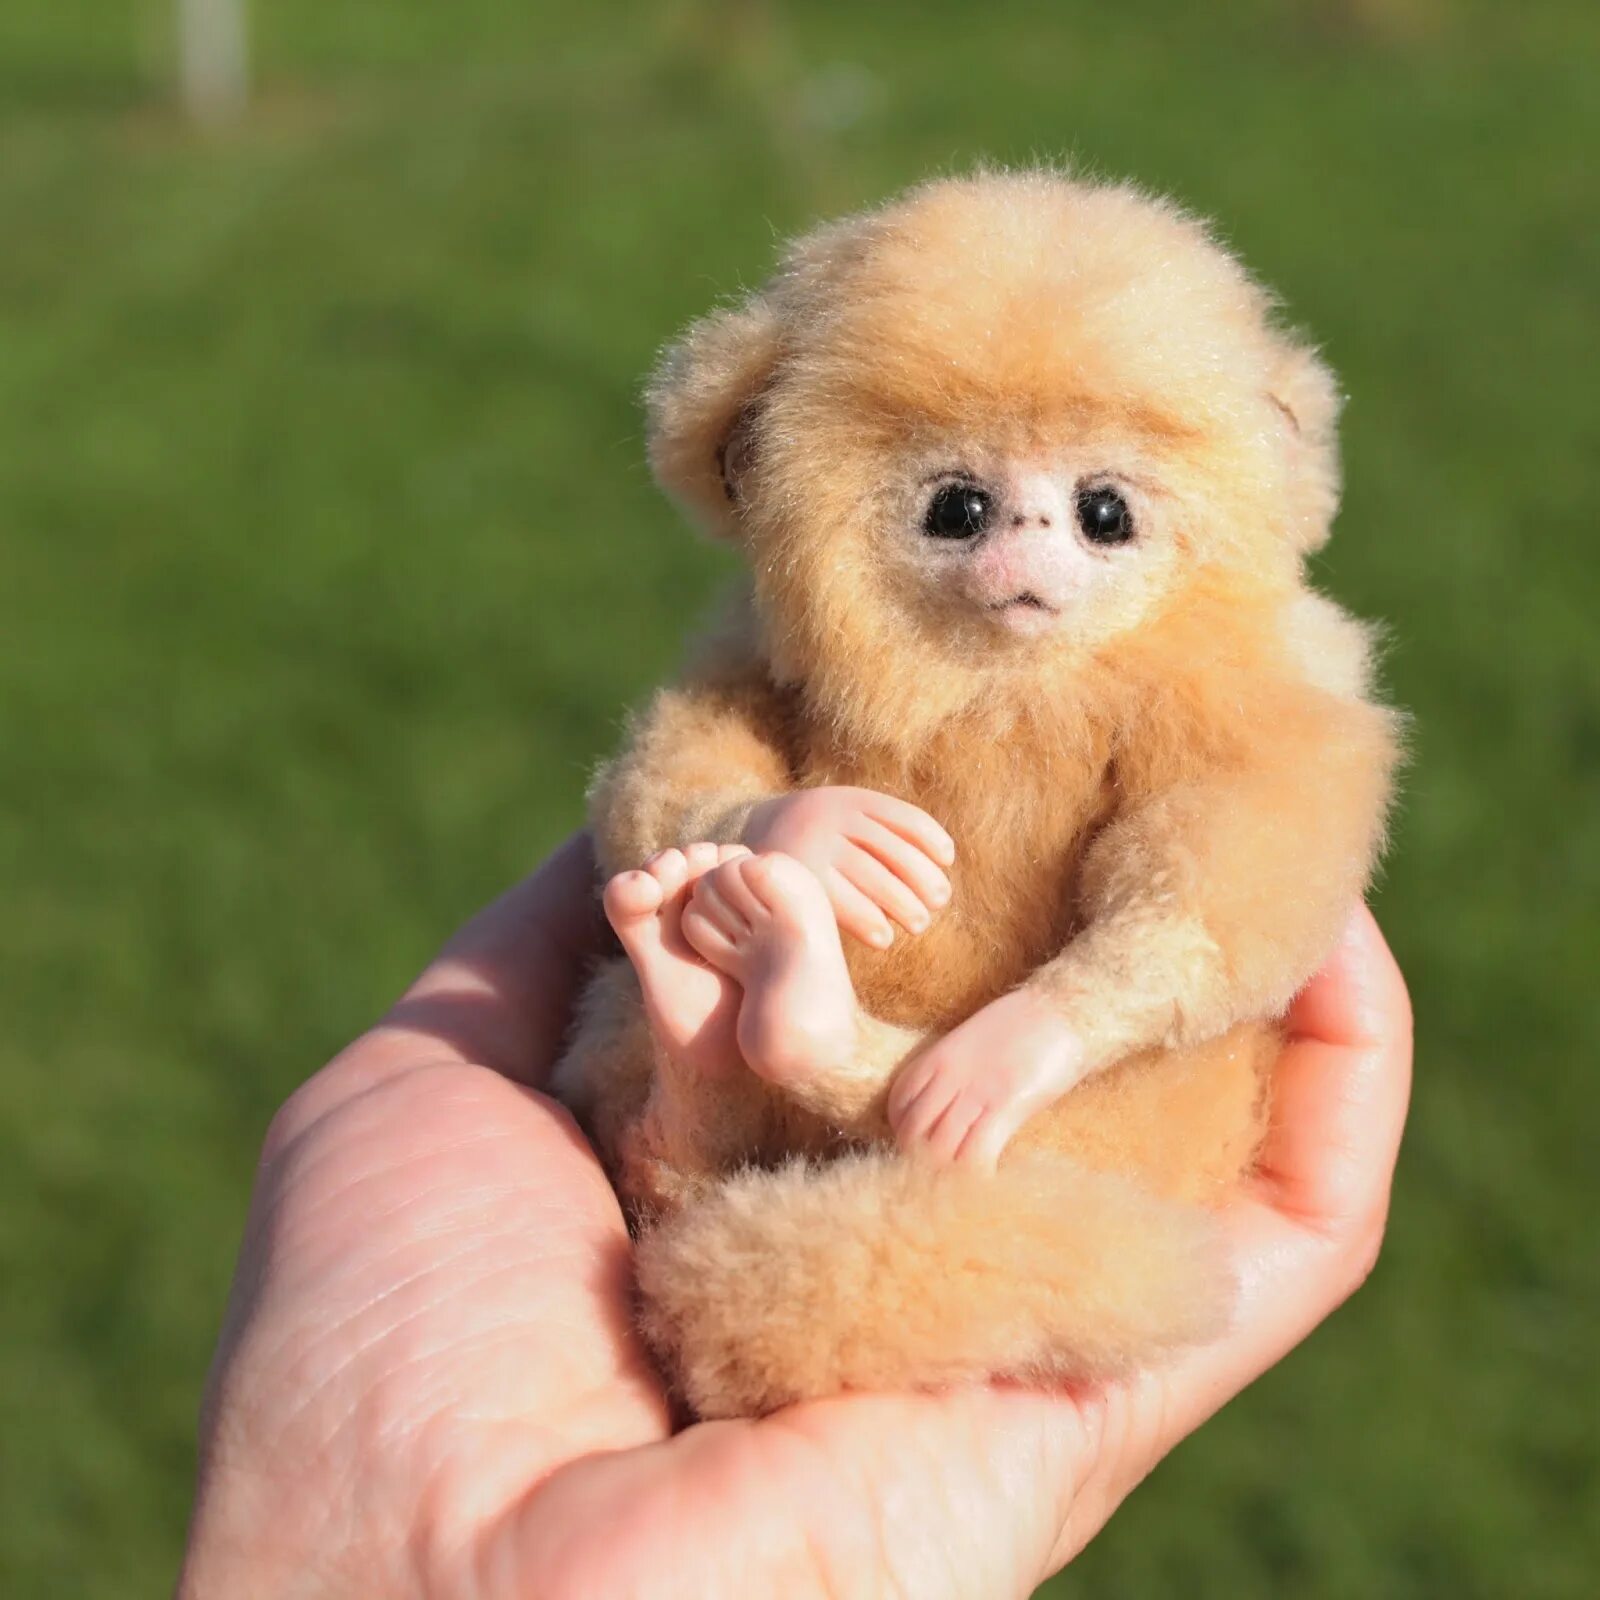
x=852 y=1096
x=756 y=1045
x=692 y=1006
x=661 y=1130
x=704 y=1113
x=766 y=922
x=691 y=1132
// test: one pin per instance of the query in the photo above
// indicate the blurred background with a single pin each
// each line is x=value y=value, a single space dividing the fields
x=328 y=563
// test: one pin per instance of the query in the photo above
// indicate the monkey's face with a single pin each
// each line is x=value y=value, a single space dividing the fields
x=983 y=537
x=1069 y=544
x=1004 y=422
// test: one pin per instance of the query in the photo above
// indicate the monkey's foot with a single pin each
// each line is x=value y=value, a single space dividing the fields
x=767 y=921
x=693 y=1006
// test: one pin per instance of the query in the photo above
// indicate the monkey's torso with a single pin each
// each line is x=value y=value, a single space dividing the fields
x=1023 y=801
x=1025 y=475
x=1021 y=818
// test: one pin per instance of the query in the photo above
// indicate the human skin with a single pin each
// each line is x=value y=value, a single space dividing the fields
x=428 y=1383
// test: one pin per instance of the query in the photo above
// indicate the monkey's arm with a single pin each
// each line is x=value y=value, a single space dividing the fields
x=1213 y=900
x=695 y=762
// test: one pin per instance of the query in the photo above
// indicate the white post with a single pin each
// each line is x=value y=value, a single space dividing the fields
x=214 y=57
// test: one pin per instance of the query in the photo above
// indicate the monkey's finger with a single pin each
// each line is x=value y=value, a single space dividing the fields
x=953 y=1128
x=907 y=861
x=913 y=823
x=884 y=889
x=708 y=939
x=670 y=868
x=908 y=1084
x=857 y=915
x=990 y=1133
x=701 y=857
x=732 y=883
x=923 y=1114
x=707 y=899
x=631 y=895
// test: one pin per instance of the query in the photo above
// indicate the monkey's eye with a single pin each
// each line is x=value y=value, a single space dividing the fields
x=1104 y=516
x=958 y=511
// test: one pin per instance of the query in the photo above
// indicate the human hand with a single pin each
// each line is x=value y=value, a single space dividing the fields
x=964 y=1097
x=879 y=858
x=428 y=1383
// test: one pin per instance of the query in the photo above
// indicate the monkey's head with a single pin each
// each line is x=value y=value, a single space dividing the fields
x=976 y=438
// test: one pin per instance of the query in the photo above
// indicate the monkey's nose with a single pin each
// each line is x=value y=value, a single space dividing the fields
x=1035 y=501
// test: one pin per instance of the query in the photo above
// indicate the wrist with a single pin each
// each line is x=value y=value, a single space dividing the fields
x=725 y=823
x=752 y=820
x=759 y=820
x=1040 y=1018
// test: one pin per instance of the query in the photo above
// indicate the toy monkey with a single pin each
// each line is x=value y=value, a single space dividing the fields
x=965 y=872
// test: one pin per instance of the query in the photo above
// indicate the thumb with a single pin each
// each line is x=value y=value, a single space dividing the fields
x=958 y=1496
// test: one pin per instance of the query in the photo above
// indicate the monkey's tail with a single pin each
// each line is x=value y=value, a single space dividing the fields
x=878 y=1272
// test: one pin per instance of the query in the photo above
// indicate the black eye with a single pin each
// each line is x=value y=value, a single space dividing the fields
x=1104 y=516
x=958 y=511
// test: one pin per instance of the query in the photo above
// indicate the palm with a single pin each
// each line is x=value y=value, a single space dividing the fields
x=429 y=1383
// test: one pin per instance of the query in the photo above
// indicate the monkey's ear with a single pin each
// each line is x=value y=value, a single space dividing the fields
x=1305 y=394
x=703 y=403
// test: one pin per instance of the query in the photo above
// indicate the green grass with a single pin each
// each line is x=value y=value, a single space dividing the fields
x=328 y=563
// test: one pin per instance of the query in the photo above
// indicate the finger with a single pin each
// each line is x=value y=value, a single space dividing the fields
x=631 y=895
x=884 y=889
x=951 y=1129
x=906 y=860
x=706 y=938
x=989 y=1135
x=701 y=857
x=1342 y=1085
x=911 y=822
x=909 y=1082
x=732 y=883
x=670 y=868
x=1307 y=1234
x=919 y=1117
x=707 y=899
x=500 y=993
x=857 y=915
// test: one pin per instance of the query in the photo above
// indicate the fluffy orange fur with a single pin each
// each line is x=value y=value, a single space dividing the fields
x=1162 y=815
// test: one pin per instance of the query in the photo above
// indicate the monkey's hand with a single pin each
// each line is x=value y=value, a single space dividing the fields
x=877 y=857
x=965 y=1096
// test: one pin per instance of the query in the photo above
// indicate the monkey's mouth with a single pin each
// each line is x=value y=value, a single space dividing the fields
x=1027 y=600
x=1026 y=613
